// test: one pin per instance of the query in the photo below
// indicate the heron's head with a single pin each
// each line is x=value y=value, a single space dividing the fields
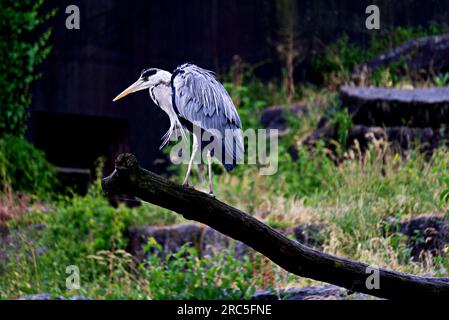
x=148 y=78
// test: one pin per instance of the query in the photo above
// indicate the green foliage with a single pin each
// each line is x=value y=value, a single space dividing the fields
x=23 y=47
x=389 y=39
x=90 y=234
x=251 y=98
x=251 y=95
x=91 y=223
x=341 y=57
x=147 y=214
x=443 y=181
x=74 y=228
x=342 y=122
x=24 y=168
x=308 y=174
x=183 y=275
x=442 y=80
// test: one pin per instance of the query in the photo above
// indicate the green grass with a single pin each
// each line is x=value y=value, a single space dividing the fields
x=88 y=233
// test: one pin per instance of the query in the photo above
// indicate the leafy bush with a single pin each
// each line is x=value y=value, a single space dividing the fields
x=250 y=94
x=90 y=234
x=23 y=47
x=24 y=167
x=388 y=39
x=183 y=275
x=92 y=223
x=251 y=101
x=311 y=172
x=341 y=57
x=74 y=229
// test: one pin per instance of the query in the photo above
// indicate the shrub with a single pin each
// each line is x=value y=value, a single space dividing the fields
x=23 y=47
x=183 y=275
x=341 y=57
x=74 y=229
x=311 y=172
x=90 y=234
x=24 y=167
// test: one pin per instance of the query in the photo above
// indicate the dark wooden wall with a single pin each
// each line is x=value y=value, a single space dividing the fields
x=72 y=115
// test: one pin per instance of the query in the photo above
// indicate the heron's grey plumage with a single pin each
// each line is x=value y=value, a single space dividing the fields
x=199 y=98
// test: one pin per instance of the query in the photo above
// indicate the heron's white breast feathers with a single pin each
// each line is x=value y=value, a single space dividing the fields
x=162 y=97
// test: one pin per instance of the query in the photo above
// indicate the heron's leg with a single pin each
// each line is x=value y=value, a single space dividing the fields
x=209 y=162
x=189 y=168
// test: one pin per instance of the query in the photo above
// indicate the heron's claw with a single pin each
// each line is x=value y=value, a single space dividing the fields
x=188 y=186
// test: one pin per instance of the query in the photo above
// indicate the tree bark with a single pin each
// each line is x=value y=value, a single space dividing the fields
x=130 y=179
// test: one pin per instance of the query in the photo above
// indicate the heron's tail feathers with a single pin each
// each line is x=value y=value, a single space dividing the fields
x=233 y=150
x=230 y=167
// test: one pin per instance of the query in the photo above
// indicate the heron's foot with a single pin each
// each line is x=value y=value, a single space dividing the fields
x=211 y=194
x=188 y=186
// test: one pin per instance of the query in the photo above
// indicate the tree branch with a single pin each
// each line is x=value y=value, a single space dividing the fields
x=130 y=179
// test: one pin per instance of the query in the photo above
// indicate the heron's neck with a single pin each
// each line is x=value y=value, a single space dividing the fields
x=161 y=94
x=162 y=97
x=164 y=77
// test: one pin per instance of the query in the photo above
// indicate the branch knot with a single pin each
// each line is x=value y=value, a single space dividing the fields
x=126 y=162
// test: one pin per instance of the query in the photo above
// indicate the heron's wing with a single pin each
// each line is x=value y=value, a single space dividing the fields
x=199 y=98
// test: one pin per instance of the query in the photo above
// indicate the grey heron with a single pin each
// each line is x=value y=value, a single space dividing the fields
x=195 y=100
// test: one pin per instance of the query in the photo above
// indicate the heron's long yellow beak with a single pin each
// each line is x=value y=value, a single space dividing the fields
x=136 y=86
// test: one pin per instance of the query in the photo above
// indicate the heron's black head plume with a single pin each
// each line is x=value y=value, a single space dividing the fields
x=146 y=73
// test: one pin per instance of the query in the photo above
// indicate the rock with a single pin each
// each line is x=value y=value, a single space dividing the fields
x=309 y=234
x=276 y=117
x=422 y=108
x=400 y=138
x=207 y=240
x=172 y=238
x=213 y=241
x=325 y=292
x=325 y=131
x=426 y=234
x=404 y=118
x=400 y=117
x=427 y=55
x=11 y=241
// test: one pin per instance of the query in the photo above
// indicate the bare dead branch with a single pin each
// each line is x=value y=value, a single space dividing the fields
x=130 y=179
